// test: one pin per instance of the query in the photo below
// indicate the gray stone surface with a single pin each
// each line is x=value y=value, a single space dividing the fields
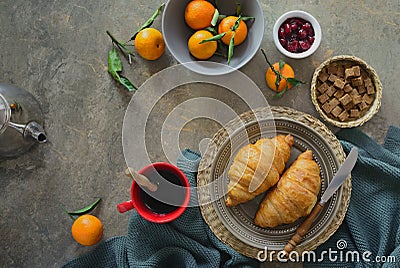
x=57 y=50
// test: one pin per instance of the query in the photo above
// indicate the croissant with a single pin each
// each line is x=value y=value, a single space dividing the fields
x=263 y=162
x=294 y=196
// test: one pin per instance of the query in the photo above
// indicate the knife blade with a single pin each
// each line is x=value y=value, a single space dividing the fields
x=341 y=175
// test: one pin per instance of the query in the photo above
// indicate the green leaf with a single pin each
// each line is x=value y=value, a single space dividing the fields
x=220 y=17
x=150 y=21
x=231 y=46
x=248 y=18
x=236 y=25
x=115 y=66
x=214 y=38
x=294 y=82
x=215 y=18
x=114 y=63
x=238 y=9
x=277 y=82
x=211 y=30
x=127 y=84
x=85 y=210
x=281 y=64
x=280 y=94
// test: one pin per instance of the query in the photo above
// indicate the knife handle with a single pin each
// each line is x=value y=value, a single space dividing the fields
x=303 y=228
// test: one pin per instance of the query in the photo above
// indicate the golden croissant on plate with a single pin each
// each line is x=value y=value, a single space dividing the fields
x=263 y=162
x=294 y=196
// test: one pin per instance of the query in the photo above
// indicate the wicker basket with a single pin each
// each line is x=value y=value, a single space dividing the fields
x=373 y=109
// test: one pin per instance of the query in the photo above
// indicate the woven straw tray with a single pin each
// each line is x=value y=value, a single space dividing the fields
x=234 y=225
x=371 y=73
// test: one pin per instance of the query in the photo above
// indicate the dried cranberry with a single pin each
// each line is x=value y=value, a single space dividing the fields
x=304 y=45
x=281 y=32
x=311 y=39
x=306 y=26
x=302 y=34
x=294 y=26
x=293 y=46
x=287 y=29
x=283 y=42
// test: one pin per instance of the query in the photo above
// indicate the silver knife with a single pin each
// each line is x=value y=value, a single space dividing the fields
x=341 y=175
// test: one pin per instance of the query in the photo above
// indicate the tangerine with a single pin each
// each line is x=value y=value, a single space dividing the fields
x=149 y=43
x=202 y=51
x=199 y=14
x=225 y=26
x=286 y=71
x=87 y=230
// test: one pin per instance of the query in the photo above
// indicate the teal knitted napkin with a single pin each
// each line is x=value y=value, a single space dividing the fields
x=371 y=228
x=185 y=242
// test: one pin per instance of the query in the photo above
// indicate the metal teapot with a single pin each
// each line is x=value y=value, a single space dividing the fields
x=21 y=121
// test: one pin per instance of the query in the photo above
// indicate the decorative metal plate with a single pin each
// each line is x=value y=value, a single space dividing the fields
x=235 y=225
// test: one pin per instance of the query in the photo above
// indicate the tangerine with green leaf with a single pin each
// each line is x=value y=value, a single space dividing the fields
x=202 y=51
x=226 y=25
x=286 y=72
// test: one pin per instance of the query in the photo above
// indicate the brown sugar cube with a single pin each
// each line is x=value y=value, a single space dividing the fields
x=357 y=81
x=323 y=98
x=368 y=99
x=323 y=76
x=322 y=88
x=347 y=88
x=367 y=82
x=340 y=71
x=339 y=83
x=353 y=93
x=327 y=108
x=361 y=89
x=370 y=90
x=357 y=99
x=348 y=72
x=332 y=69
x=332 y=78
x=363 y=105
x=334 y=102
x=348 y=106
x=330 y=91
x=336 y=111
x=356 y=70
x=343 y=116
x=354 y=113
x=339 y=93
x=346 y=99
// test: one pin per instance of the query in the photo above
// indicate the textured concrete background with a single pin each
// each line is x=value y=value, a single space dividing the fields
x=57 y=50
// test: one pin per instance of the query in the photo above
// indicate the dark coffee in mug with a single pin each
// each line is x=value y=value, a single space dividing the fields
x=170 y=193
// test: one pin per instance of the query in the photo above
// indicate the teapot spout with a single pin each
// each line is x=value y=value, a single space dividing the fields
x=32 y=130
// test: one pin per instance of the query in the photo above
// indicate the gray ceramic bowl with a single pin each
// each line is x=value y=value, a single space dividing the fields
x=176 y=35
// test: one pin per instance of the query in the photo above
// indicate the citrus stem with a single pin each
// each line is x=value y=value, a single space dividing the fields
x=270 y=65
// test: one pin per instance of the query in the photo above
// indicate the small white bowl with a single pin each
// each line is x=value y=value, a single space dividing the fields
x=303 y=15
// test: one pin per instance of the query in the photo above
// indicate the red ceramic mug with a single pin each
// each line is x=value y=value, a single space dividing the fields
x=168 y=202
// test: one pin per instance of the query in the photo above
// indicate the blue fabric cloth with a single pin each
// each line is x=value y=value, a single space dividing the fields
x=185 y=242
x=372 y=222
